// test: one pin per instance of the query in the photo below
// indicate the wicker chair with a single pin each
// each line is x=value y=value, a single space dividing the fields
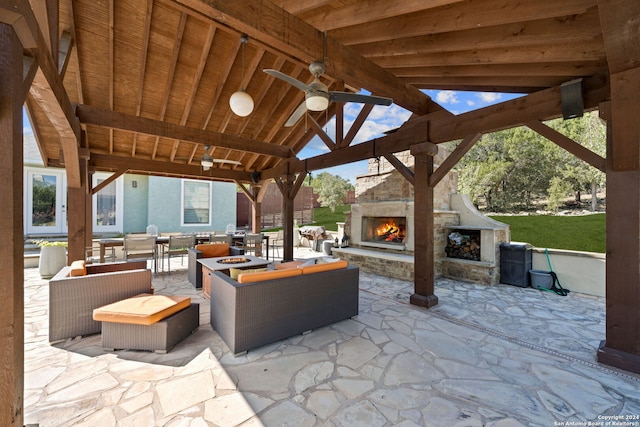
x=73 y=299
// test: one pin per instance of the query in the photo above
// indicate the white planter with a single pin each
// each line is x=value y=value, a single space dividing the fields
x=52 y=259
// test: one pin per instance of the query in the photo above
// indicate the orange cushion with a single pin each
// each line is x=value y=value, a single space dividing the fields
x=324 y=267
x=268 y=275
x=286 y=265
x=211 y=250
x=78 y=268
x=142 y=309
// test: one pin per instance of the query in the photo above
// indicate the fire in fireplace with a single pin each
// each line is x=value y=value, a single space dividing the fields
x=463 y=244
x=391 y=230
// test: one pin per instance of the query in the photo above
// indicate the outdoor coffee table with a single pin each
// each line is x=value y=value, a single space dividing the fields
x=225 y=263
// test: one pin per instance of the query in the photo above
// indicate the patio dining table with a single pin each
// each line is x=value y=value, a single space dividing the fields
x=163 y=240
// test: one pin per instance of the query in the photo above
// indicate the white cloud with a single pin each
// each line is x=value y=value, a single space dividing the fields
x=470 y=103
x=489 y=96
x=447 y=97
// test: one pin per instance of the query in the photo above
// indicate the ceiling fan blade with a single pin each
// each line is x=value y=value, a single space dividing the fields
x=292 y=81
x=356 y=97
x=229 y=162
x=299 y=112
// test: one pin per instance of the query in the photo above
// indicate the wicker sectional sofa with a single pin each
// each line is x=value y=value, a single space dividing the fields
x=250 y=315
x=72 y=299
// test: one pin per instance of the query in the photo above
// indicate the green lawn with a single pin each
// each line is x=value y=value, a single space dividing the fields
x=327 y=219
x=578 y=233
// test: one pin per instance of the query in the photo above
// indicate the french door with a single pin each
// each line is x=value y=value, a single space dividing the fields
x=46 y=202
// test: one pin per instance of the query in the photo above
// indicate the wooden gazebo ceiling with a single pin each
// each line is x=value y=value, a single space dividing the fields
x=152 y=78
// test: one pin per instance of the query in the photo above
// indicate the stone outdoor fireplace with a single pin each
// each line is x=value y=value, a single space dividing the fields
x=380 y=228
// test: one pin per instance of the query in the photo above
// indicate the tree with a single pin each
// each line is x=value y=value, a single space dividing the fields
x=331 y=189
x=512 y=168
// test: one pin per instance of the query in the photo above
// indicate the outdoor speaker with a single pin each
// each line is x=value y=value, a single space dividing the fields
x=571 y=99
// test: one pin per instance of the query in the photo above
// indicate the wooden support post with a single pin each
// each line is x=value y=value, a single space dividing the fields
x=12 y=249
x=622 y=345
x=424 y=267
x=79 y=220
x=286 y=186
x=256 y=215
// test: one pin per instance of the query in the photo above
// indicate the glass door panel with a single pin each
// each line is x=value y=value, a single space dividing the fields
x=46 y=202
x=107 y=205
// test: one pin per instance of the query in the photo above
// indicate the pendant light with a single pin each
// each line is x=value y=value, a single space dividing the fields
x=241 y=102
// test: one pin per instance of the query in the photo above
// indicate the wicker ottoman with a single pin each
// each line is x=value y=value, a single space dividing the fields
x=153 y=323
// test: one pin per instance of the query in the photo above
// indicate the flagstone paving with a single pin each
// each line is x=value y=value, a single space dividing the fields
x=496 y=356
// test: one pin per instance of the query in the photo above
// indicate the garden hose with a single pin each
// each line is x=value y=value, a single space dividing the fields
x=554 y=277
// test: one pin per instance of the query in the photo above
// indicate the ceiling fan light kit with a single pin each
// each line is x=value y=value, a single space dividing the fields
x=316 y=102
x=206 y=161
x=317 y=94
x=241 y=102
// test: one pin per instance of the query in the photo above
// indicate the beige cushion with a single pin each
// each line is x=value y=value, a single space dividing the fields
x=142 y=309
x=290 y=264
x=78 y=268
x=234 y=272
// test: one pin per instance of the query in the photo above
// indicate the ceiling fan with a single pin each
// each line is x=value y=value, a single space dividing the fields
x=317 y=94
x=206 y=161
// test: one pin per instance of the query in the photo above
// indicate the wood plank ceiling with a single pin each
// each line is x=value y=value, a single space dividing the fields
x=175 y=64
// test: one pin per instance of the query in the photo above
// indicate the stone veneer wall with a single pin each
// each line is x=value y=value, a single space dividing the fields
x=384 y=183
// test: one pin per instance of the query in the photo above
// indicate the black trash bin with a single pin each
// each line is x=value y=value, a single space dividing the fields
x=515 y=263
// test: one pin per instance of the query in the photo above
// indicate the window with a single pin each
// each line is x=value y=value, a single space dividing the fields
x=196 y=202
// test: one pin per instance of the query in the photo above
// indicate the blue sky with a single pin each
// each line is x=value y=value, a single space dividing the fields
x=382 y=119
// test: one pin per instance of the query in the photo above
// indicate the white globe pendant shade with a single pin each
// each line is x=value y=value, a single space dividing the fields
x=316 y=102
x=241 y=103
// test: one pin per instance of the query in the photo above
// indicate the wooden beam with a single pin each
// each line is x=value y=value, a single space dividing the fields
x=364 y=12
x=246 y=192
x=568 y=144
x=297 y=184
x=357 y=124
x=115 y=120
x=107 y=181
x=464 y=16
x=275 y=27
x=392 y=143
x=321 y=134
x=588 y=50
x=619 y=23
x=29 y=69
x=47 y=88
x=400 y=167
x=510 y=35
x=453 y=158
x=107 y=162
x=64 y=52
x=542 y=105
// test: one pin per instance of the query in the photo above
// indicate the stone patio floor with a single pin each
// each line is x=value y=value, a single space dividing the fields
x=495 y=356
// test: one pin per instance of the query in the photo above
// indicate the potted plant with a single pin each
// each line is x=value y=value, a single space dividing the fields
x=53 y=256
